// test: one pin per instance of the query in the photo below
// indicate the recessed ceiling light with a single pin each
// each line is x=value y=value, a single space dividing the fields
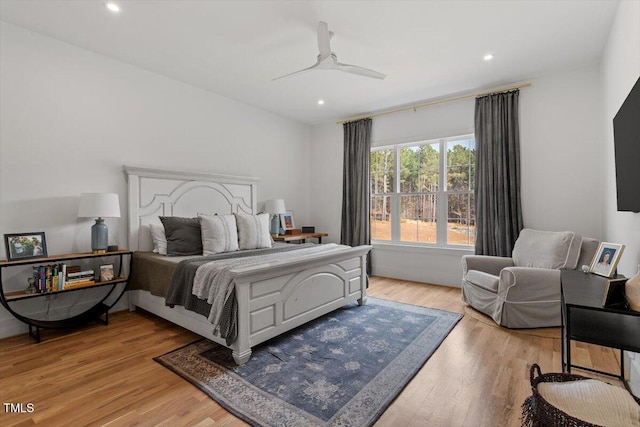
x=488 y=57
x=113 y=7
x=320 y=101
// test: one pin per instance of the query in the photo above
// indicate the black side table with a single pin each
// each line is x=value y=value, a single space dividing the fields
x=585 y=319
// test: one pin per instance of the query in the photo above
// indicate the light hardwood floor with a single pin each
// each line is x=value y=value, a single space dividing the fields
x=106 y=376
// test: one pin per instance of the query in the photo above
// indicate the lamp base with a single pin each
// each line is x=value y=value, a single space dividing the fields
x=275 y=224
x=99 y=237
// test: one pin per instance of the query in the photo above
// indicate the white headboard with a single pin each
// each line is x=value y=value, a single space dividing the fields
x=162 y=192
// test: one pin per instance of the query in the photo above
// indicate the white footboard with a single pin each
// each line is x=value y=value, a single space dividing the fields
x=280 y=297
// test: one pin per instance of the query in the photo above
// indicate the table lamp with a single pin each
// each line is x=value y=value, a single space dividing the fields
x=275 y=207
x=99 y=205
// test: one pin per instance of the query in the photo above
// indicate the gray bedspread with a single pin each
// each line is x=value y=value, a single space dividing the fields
x=181 y=283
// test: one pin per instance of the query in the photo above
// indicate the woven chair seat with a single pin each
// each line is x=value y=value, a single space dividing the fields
x=577 y=401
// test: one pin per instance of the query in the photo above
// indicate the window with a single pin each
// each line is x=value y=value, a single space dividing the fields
x=422 y=192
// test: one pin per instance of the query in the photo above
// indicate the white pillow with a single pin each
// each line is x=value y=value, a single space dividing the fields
x=219 y=233
x=253 y=231
x=159 y=238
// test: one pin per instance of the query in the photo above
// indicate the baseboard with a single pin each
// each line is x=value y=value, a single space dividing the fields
x=12 y=327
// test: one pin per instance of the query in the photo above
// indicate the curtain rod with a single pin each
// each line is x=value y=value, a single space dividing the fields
x=430 y=104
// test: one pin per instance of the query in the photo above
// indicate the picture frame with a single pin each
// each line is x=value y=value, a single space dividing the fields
x=25 y=245
x=286 y=221
x=606 y=259
x=106 y=273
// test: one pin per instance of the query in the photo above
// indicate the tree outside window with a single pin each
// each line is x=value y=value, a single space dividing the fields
x=428 y=185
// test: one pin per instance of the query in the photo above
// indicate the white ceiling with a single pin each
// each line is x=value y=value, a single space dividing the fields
x=427 y=49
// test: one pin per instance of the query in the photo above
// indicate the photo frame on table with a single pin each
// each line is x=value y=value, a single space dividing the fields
x=606 y=259
x=25 y=245
x=286 y=221
x=106 y=272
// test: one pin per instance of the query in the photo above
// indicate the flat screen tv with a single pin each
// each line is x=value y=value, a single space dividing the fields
x=626 y=136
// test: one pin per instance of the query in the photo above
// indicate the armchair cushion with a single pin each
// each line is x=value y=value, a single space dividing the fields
x=484 y=280
x=488 y=264
x=547 y=249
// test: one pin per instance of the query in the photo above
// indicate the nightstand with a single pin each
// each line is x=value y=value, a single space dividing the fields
x=300 y=237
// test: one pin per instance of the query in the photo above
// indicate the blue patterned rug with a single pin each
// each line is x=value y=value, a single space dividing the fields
x=343 y=369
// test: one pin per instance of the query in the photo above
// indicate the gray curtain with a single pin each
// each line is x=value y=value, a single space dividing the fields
x=497 y=186
x=355 y=228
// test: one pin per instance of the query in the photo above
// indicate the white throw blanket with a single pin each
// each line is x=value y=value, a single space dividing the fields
x=213 y=282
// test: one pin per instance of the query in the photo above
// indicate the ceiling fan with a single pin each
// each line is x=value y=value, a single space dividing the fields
x=328 y=60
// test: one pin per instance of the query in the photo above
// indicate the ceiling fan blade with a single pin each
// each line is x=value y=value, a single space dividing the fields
x=361 y=71
x=298 y=72
x=323 y=40
x=328 y=60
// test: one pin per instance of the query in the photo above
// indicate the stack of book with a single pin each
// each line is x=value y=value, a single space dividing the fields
x=77 y=278
x=56 y=277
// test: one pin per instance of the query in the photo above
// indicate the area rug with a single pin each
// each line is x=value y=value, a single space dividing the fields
x=343 y=369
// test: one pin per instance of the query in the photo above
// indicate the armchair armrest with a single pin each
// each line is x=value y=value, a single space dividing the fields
x=521 y=284
x=488 y=264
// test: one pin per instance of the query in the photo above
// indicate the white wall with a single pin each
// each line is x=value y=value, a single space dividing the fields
x=620 y=71
x=560 y=155
x=70 y=119
x=326 y=181
x=561 y=130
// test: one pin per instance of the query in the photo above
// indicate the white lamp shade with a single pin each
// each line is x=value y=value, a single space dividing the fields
x=275 y=206
x=99 y=205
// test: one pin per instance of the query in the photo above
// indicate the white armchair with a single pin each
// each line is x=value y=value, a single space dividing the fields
x=524 y=291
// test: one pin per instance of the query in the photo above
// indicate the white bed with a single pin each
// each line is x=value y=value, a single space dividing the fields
x=271 y=299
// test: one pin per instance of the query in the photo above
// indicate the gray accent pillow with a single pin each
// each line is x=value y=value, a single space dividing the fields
x=183 y=235
x=219 y=234
x=253 y=231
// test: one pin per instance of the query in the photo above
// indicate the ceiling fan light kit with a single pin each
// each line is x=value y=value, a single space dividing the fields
x=327 y=60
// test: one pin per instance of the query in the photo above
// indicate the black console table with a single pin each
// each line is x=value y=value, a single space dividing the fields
x=585 y=319
x=97 y=308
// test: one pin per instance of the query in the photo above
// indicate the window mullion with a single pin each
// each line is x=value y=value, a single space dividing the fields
x=441 y=228
x=395 y=197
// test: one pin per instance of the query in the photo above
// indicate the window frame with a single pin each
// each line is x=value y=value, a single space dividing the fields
x=441 y=194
